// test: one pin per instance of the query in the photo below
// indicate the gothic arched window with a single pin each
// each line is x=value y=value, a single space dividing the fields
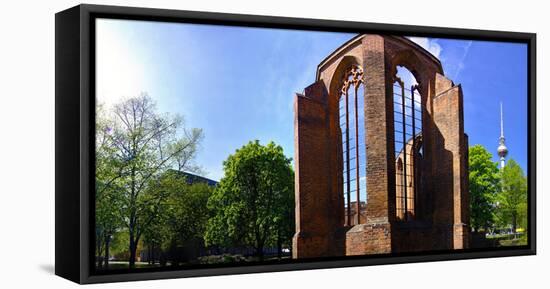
x=408 y=143
x=354 y=159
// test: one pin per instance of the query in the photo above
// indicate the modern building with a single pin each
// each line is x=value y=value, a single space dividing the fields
x=193 y=179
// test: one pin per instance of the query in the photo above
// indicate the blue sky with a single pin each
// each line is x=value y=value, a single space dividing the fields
x=238 y=84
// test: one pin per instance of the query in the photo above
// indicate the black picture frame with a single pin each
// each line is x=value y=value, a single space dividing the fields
x=75 y=126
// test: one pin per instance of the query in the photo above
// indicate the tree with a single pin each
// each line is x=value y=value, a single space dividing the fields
x=156 y=232
x=284 y=212
x=119 y=244
x=145 y=144
x=512 y=199
x=189 y=212
x=484 y=184
x=108 y=196
x=183 y=215
x=252 y=203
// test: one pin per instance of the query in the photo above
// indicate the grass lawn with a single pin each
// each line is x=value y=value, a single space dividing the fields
x=514 y=242
x=509 y=240
x=212 y=259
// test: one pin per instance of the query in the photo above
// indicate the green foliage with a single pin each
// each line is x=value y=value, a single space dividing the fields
x=135 y=146
x=182 y=215
x=498 y=198
x=224 y=258
x=157 y=231
x=109 y=199
x=142 y=200
x=483 y=184
x=119 y=244
x=186 y=212
x=512 y=200
x=253 y=205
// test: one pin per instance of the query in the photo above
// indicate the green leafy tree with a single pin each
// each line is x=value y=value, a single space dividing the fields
x=284 y=212
x=484 y=184
x=189 y=212
x=145 y=143
x=108 y=195
x=119 y=244
x=512 y=200
x=157 y=231
x=252 y=204
x=183 y=215
x=108 y=221
x=180 y=215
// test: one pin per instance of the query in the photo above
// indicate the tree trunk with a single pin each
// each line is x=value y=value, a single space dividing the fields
x=153 y=258
x=98 y=253
x=514 y=225
x=107 y=244
x=133 y=248
x=260 y=253
x=279 y=248
x=260 y=249
x=151 y=254
x=132 y=227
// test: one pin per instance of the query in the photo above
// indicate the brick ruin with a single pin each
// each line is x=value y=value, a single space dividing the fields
x=411 y=169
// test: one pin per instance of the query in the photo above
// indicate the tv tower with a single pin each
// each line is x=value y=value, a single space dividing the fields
x=502 y=149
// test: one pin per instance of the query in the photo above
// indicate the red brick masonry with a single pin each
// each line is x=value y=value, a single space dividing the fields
x=441 y=217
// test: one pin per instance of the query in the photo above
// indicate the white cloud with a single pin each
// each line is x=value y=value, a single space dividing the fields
x=460 y=63
x=430 y=45
x=453 y=60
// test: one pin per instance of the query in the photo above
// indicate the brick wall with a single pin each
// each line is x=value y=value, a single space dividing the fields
x=442 y=218
x=318 y=209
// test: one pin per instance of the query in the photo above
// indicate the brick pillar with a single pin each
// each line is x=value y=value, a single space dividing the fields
x=451 y=195
x=374 y=236
x=318 y=208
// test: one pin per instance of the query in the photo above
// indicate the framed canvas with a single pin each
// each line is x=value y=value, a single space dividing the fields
x=195 y=144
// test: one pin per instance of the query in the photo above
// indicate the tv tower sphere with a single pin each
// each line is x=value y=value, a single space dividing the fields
x=502 y=149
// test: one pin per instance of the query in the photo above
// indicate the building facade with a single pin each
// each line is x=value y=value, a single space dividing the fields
x=366 y=142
